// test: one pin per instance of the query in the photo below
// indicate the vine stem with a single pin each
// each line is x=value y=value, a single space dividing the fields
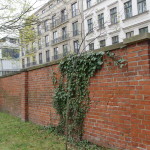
x=67 y=110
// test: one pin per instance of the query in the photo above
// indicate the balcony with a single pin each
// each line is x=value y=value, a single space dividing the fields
x=23 y=66
x=60 y=39
x=7 y=72
x=30 y=64
x=65 y=53
x=58 y=56
x=34 y=63
x=48 y=59
x=46 y=44
x=47 y=28
x=76 y=51
x=75 y=32
x=59 y=21
x=40 y=61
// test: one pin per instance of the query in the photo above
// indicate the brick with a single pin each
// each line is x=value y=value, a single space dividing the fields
x=119 y=115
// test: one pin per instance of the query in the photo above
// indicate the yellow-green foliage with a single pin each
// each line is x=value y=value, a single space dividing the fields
x=28 y=34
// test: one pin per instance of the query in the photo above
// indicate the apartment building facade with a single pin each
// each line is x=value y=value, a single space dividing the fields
x=65 y=24
x=59 y=32
x=108 y=22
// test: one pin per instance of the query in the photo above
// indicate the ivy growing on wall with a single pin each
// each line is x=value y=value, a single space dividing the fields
x=71 y=97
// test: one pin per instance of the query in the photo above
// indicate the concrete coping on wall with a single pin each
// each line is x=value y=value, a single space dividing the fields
x=129 y=41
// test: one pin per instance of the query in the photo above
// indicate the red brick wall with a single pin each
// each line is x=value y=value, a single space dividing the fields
x=119 y=115
x=10 y=94
x=40 y=91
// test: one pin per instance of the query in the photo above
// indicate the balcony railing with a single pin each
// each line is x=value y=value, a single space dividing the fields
x=23 y=66
x=48 y=59
x=75 y=32
x=59 y=21
x=7 y=72
x=30 y=64
x=65 y=53
x=128 y=15
x=33 y=63
x=46 y=44
x=76 y=51
x=60 y=39
x=40 y=61
x=47 y=28
x=58 y=56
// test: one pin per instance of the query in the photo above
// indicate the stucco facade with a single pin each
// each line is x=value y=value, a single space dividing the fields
x=56 y=34
x=94 y=23
x=119 y=19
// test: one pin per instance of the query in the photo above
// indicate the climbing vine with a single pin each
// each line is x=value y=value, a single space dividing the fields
x=71 y=97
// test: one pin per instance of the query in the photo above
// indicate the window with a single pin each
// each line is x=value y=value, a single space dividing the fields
x=65 y=50
x=43 y=11
x=143 y=30
x=55 y=38
x=46 y=40
x=23 y=63
x=115 y=40
x=141 y=6
x=101 y=20
x=113 y=15
x=74 y=8
x=13 y=41
x=47 y=56
x=102 y=43
x=129 y=34
x=28 y=61
x=40 y=58
x=34 y=60
x=90 y=25
x=54 y=21
x=39 y=44
x=55 y=53
x=76 y=46
x=39 y=29
x=34 y=46
x=128 y=9
x=23 y=53
x=50 y=6
x=63 y=15
x=75 y=28
x=88 y=3
x=46 y=25
x=91 y=46
x=55 y=35
x=64 y=33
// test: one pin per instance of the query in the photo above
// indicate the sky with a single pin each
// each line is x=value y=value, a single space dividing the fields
x=38 y=3
x=16 y=7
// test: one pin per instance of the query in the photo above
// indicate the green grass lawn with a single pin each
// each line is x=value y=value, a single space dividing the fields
x=17 y=135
